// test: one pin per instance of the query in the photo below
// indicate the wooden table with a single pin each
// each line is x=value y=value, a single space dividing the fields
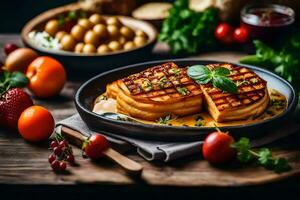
x=22 y=163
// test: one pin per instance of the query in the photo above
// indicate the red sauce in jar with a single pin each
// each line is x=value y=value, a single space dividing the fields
x=270 y=23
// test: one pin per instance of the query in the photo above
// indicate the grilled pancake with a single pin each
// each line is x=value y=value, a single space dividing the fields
x=156 y=92
x=252 y=98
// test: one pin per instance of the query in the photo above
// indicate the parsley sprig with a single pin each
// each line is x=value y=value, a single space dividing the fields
x=262 y=156
x=217 y=76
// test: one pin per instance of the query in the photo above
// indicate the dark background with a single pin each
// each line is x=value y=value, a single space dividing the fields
x=15 y=13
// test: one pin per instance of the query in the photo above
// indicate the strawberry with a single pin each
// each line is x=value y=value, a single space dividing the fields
x=12 y=103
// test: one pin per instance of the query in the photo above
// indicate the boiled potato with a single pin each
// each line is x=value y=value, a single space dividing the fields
x=113 y=21
x=127 y=32
x=91 y=38
x=59 y=35
x=140 y=33
x=102 y=49
x=113 y=31
x=139 y=40
x=89 y=48
x=129 y=45
x=79 y=47
x=85 y=23
x=68 y=42
x=78 y=32
x=114 y=45
x=122 y=40
x=96 y=19
x=100 y=30
x=52 y=27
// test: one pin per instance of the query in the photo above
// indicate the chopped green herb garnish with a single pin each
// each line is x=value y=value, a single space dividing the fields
x=164 y=120
x=72 y=15
x=183 y=91
x=243 y=82
x=162 y=82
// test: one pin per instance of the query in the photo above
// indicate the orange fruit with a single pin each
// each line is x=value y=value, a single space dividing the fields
x=47 y=77
x=36 y=124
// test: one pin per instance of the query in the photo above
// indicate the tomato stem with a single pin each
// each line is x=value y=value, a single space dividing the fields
x=217 y=128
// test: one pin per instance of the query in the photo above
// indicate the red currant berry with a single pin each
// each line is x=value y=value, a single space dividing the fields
x=51 y=158
x=55 y=165
x=63 y=143
x=57 y=151
x=62 y=166
x=70 y=158
x=53 y=144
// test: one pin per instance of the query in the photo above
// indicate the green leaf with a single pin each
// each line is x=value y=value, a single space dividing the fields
x=281 y=165
x=224 y=84
x=200 y=73
x=221 y=71
x=18 y=79
x=265 y=157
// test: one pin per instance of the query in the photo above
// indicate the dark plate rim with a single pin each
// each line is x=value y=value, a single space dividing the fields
x=291 y=106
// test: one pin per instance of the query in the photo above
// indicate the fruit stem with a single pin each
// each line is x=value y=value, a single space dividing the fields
x=217 y=128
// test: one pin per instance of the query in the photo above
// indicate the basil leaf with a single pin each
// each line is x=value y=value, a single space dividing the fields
x=200 y=73
x=225 y=84
x=221 y=71
x=18 y=79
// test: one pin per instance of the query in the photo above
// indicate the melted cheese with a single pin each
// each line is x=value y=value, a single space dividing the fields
x=277 y=106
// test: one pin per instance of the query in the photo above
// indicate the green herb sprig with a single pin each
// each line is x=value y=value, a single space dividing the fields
x=217 y=76
x=262 y=156
x=285 y=62
x=9 y=80
x=188 y=31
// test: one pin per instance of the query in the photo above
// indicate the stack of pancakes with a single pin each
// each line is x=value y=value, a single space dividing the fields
x=167 y=90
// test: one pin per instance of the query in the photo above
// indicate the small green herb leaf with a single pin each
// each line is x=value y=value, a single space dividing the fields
x=225 y=84
x=164 y=120
x=221 y=71
x=218 y=76
x=18 y=79
x=200 y=73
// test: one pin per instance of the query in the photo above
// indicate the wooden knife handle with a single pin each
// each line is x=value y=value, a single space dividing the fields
x=77 y=138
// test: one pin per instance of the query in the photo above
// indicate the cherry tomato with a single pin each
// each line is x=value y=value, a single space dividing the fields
x=8 y=48
x=217 y=148
x=240 y=35
x=95 y=145
x=224 y=33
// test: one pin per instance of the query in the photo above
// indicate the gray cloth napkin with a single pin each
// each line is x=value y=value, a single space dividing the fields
x=166 y=151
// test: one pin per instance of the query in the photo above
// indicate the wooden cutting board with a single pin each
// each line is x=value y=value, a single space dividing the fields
x=25 y=163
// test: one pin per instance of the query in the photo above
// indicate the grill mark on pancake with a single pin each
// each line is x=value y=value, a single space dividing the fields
x=248 y=93
x=162 y=81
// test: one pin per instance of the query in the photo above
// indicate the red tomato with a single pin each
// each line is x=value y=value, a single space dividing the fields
x=217 y=148
x=95 y=145
x=224 y=33
x=240 y=35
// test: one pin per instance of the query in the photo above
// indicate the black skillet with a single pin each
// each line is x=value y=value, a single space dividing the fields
x=91 y=89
